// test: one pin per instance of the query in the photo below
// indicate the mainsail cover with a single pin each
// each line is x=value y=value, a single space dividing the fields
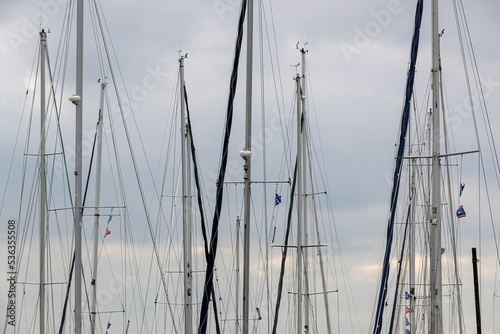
x=397 y=170
x=208 y=287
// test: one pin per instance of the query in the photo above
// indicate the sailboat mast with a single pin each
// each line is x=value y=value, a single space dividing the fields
x=435 y=278
x=186 y=209
x=78 y=168
x=303 y=52
x=237 y=281
x=306 y=242
x=43 y=186
x=476 y=290
x=247 y=170
x=93 y=308
x=412 y=242
x=189 y=226
x=299 y=209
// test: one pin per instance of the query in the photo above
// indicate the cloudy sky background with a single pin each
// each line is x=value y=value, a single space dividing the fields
x=357 y=76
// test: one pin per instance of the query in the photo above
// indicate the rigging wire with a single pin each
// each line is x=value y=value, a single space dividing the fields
x=400 y=265
x=134 y=161
x=333 y=231
x=451 y=221
x=23 y=171
x=460 y=16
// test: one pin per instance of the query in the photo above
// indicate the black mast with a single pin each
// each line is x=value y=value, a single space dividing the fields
x=476 y=290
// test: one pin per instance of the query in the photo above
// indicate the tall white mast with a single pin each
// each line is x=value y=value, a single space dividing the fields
x=93 y=307
x=412 y=243
x=435 y=253
x=186 y=208
x=299 y=209
x=307 y=162
x=237 y=281
x=43 y=187
x=303 y=93
x=247 y=170
x=78 y=167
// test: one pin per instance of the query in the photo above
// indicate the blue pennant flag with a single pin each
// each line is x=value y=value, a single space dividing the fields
x=407 y=322
x=407 y=295
x=462 y=186
x=109 y=325
x=110 y=217
x=277 y=199
x=461 y=212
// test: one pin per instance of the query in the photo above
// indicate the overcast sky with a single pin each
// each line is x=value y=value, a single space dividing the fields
x=357 y=61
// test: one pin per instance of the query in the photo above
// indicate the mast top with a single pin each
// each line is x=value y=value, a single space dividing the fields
x=180 y=56
x=303 y=49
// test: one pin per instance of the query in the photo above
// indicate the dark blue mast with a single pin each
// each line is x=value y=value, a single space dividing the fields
x=397 y=170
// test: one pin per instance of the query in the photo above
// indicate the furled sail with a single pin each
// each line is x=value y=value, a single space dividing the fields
x=377 y=327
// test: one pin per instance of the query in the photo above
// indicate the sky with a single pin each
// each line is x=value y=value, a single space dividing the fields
x=357 y=62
